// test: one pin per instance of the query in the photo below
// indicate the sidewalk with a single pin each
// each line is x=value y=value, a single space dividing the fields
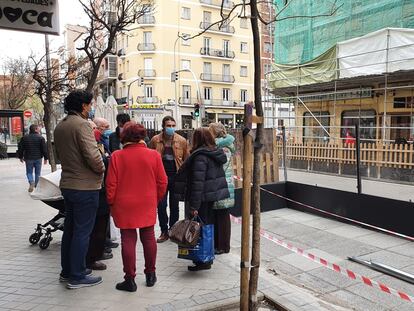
x=29 y=276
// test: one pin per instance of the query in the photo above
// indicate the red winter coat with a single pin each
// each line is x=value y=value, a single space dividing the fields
x=135 y=183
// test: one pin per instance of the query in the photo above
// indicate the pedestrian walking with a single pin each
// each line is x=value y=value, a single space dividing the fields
x=174 y=150
x=82 y=176
x=136 y=183
x=31 y=149
x=201 y=181
x=222 y=224
x=115 y=137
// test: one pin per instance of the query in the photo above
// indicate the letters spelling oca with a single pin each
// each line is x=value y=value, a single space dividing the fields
x=44 y=19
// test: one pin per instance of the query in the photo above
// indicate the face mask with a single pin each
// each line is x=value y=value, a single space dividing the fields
x=169 y=131
x=91 y=114
x=106 y=133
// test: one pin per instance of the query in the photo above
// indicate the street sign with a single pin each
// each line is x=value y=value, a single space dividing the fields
x=27 y=114
x=34 y=16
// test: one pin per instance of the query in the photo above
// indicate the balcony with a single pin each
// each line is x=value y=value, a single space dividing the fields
x=121 y=100
x=209 y=77
x=147 y=73
x=146 y=20
x=148 y=100
x=206 y=51
x=211 y=102
x=227 y=5
x=227 y=29
x=146 y=47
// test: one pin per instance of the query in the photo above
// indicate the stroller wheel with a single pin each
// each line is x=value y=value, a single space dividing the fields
x=44 y=243
x=34 y=238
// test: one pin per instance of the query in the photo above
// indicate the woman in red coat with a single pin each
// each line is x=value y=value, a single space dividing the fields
x=136 y=182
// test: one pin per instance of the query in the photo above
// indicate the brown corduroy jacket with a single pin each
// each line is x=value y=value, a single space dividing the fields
x=76 y=148
x=179 y=144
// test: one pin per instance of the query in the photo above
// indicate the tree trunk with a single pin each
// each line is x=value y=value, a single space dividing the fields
x=254 y=271
x=49 y=137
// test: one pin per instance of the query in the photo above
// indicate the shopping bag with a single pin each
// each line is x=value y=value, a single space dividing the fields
x=185 y=232
x=204 y=250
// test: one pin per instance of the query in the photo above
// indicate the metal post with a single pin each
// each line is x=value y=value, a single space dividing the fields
x=358 y=158
x=284 y=152
x=246 y=195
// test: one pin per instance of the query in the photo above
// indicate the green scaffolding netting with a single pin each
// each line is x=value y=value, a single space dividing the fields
x=299 y=40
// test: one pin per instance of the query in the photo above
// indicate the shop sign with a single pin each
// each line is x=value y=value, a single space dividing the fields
x=16 y=124
x=30 y=15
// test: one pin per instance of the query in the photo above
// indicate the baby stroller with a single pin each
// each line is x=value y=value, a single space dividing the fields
x=48 y=192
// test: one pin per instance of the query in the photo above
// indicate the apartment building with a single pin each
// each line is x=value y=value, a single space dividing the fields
x=215 y=67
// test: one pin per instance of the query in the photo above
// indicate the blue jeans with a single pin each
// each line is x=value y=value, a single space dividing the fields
x=162 y=207
x=37 y=166
x=80 y=215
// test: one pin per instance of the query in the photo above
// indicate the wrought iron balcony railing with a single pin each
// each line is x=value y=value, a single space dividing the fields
x=217 y=78
x=211 y=102
x=217 y=27
x=146 y=47
x=147 y=73
x=217 y=53
x=217 y=3
x=146 y=20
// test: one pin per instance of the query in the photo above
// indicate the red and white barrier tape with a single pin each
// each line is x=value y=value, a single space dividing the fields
x=407 y=237
x=334 y=267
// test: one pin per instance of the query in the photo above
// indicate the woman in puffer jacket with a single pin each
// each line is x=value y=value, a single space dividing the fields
x=222 y=225
x=201 y=182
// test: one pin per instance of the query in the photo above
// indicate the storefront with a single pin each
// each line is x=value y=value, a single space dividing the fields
x=11 y=128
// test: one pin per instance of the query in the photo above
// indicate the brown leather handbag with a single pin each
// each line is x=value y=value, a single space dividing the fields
x=185 y=232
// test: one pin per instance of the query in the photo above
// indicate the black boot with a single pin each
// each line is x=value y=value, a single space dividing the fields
x=151 y=279
x=128 y=285
x=200 y=266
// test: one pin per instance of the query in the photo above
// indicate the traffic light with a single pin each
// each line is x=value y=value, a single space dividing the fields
x=141 y=81
x=197 y=110
x=174 y=76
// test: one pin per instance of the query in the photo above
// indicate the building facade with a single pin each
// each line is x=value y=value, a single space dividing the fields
x=215 y=68
x=342 y=70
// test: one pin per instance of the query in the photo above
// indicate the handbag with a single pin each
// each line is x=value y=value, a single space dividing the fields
x=185 y=232
x=203 y=251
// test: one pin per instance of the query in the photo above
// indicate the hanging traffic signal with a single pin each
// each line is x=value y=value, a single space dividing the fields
x=197 y=110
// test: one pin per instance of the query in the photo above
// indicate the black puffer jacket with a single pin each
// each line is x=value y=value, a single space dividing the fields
x=32 y=147
x=201 y=178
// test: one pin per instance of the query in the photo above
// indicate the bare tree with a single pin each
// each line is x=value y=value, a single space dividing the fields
x=50 y=88
x=107 y=19
x=17 y=83
x=255 y=17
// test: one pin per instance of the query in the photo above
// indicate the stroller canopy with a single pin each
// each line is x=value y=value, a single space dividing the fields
x=48 y=187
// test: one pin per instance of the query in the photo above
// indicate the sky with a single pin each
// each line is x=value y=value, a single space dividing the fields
x=18 y=43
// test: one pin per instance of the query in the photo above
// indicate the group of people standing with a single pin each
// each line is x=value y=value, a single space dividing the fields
x=118 y=173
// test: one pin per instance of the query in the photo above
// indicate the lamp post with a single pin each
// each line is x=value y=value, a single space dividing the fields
x=129 y=87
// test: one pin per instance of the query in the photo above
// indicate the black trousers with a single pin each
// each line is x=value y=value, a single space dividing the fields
x=97 y=239
x=172 y=203
x=222 y=229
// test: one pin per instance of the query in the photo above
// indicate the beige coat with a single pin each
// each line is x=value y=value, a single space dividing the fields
x=76 y=148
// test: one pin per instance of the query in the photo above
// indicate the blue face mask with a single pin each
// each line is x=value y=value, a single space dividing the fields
x=91 y=114
x=170 y=131
x=107 y=133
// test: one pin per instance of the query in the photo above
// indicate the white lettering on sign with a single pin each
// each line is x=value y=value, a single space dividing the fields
x=30 y=15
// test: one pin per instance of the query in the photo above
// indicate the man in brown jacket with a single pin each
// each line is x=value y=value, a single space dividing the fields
x=174 y=150
x=82 y=174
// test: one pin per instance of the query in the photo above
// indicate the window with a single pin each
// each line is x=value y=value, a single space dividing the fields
x=244 y=23
x=148 y=90
x=127 y=65
x=185 y=64
x=312 y=131
x=226 y=70
x=147 y=37
x=226 y=47
x=403 y=102
x=206 y=18
x=186 y=91
x=207 y=68
x=367 y=122
x=243 y=47
x=185 y=41
x=226 y=95
x=243 y=71
x=268 y=47
x=267 y=68
x=148 y=63
x=207 y=93
x=243 y=96
x=185 y=13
